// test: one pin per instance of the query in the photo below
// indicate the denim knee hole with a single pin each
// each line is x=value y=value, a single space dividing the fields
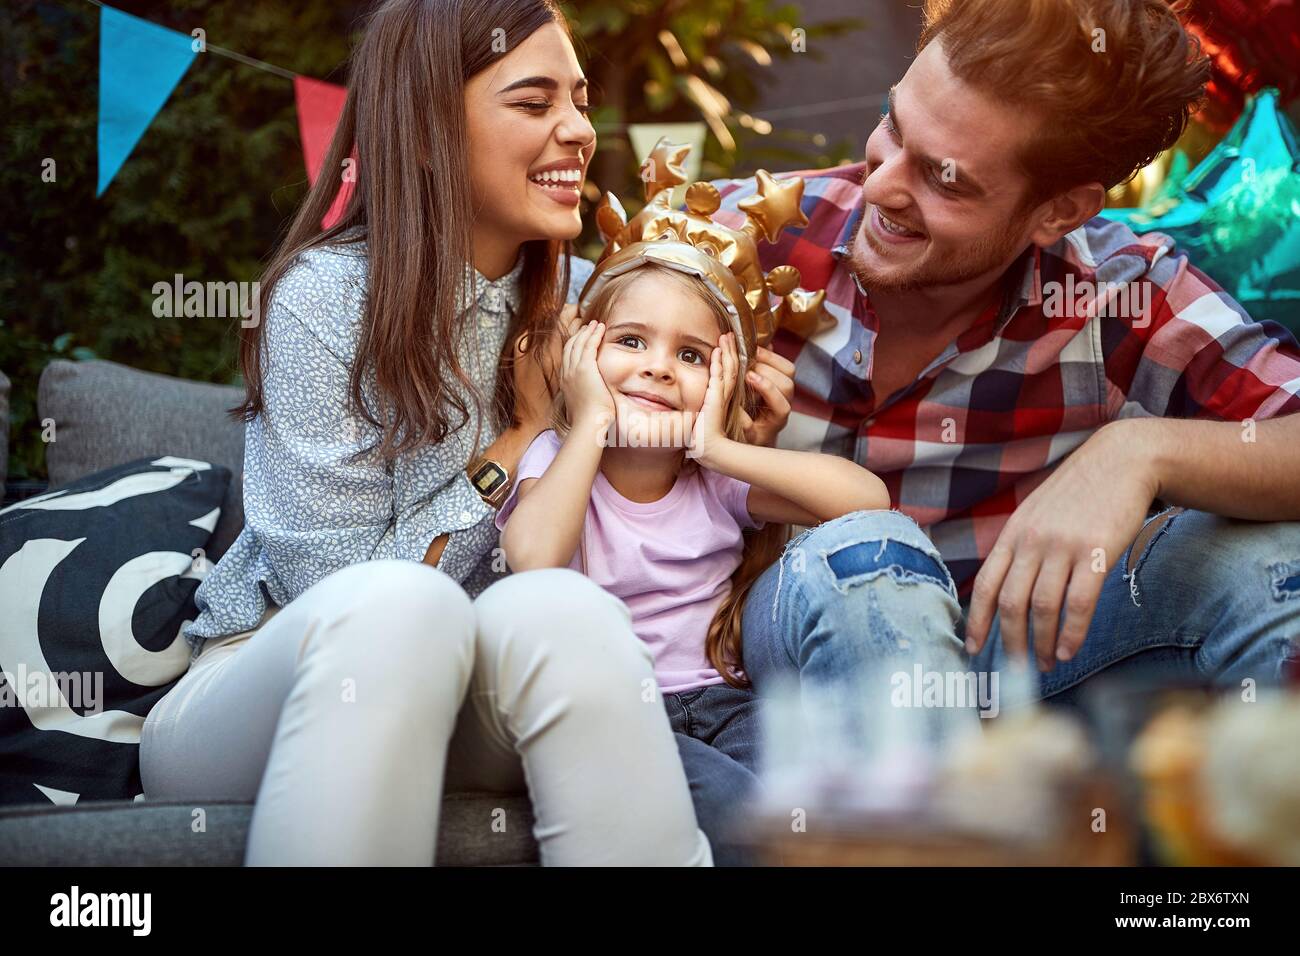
x=1131 y=576
x=1286 y=581
x=863 y=561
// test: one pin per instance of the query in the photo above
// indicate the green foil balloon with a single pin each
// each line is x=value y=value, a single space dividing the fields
x=1237 y=214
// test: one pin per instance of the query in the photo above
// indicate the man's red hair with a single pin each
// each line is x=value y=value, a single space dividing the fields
x=1112 y=82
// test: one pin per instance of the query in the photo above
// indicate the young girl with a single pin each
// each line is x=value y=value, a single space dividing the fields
x=662 y=524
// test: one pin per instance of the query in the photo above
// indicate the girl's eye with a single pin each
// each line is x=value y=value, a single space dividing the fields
x=628 y=338
x=691 y=357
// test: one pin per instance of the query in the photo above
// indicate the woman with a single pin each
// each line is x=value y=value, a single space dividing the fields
x=352 y=644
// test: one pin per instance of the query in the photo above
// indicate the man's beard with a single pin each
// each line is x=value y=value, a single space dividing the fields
x=953 y=267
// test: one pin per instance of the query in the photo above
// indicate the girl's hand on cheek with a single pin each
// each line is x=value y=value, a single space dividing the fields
x=710 y=423
x=586 y=396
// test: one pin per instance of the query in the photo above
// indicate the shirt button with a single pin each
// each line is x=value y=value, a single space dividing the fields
x=857 y=356
x=466 y=516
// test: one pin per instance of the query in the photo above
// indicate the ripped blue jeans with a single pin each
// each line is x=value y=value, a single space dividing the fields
x=1210 y=600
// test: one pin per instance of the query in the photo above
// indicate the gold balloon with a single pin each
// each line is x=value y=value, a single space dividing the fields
x=662 y=169
x=725 y=259
x=775 y=206
x=804 y=313
x=610 y=216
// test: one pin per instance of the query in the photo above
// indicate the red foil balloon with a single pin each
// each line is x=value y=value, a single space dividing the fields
x=1251 y=44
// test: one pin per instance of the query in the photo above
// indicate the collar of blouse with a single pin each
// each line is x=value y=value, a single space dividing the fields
x=500 y=296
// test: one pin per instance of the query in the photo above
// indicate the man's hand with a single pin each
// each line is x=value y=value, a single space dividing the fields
x=1058 y=545
x=772 y=377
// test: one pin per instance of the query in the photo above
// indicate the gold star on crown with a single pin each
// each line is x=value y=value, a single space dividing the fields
x=725 y=259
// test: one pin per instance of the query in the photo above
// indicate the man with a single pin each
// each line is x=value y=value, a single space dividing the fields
x=1029 y=379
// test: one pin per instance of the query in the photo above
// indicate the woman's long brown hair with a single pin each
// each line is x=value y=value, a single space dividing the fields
x=762 y=546
x=404 y=122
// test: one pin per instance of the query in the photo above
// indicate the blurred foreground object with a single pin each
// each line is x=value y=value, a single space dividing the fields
x=1222 y=784
x=937 y=786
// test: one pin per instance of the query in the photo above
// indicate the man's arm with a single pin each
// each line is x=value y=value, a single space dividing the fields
x=1186 y=389
x=1055 y=550
x=1238 y=469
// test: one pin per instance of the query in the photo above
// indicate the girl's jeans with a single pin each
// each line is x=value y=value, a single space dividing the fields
x=717 y=730
x=1210 y=600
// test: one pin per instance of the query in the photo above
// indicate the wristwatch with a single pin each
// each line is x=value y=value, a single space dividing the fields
x=490 y=479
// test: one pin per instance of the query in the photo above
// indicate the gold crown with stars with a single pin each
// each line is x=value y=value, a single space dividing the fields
x=725 y=259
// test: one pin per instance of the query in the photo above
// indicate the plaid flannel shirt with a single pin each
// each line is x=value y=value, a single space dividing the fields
x=986 y=422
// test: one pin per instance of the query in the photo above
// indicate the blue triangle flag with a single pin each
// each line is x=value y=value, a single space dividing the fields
x=140 y=64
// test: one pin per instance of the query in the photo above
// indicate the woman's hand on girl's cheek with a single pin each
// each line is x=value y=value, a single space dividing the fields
x=532 y=395
x=568 y=320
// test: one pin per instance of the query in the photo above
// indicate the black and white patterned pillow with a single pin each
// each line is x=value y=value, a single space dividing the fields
x=96 y=581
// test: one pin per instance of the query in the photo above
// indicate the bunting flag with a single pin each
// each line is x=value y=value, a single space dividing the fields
x=319 y=106
x=140 y=64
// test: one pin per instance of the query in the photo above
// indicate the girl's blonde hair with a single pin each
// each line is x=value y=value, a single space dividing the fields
x=762 y=546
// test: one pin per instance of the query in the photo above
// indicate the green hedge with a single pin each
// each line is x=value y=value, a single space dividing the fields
x=209 y=187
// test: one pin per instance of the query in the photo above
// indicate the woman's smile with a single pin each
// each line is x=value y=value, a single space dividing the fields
x=561 y=181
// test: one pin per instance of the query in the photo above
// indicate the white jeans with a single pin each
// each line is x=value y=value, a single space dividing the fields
x=340 y=713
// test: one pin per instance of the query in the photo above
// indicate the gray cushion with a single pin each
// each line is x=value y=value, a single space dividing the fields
x=4 y=427
x=106 y=414
x=161 y=834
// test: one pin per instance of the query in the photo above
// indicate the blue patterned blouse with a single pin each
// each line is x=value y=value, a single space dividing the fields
x=307 y=510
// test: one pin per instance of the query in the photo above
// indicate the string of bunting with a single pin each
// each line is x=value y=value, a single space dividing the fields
x=141 y=63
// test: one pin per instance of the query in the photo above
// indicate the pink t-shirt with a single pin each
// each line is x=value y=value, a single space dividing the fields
x=669 y=560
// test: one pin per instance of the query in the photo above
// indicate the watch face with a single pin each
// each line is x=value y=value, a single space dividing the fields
x=489 y=478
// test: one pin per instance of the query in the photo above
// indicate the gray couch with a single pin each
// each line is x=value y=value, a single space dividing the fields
x=107 y=414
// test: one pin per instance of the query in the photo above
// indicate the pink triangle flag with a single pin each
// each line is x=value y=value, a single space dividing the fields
x=319 y=106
